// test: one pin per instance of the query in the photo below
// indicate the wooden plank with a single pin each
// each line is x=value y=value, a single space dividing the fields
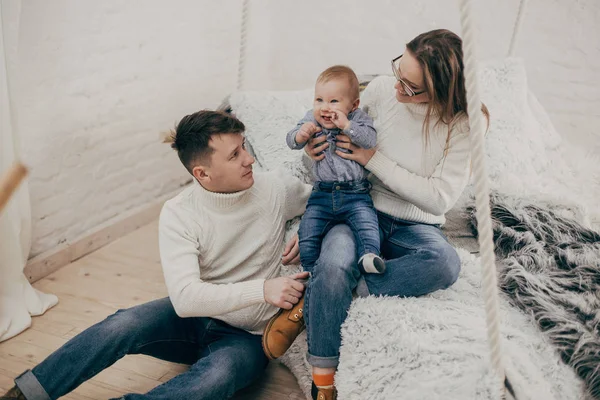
x=45 y=324
x=146 y=366
x=46 y=263
x=113 y=293
x=6 y=382
x=175 y=370
x=74 y=312
x=41 y=339
x=22 y=352
x=96 y=390
x=128 y=382
x=12 y=365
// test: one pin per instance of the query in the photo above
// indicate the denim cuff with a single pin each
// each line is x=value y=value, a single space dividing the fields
x=30 y=386
x=322 y=362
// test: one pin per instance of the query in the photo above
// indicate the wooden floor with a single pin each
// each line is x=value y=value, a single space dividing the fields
x=125 y=273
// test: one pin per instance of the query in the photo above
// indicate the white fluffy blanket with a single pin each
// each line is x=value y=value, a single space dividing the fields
x=434 y=347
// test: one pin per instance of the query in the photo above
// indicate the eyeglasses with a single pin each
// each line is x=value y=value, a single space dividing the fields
x=405 y=86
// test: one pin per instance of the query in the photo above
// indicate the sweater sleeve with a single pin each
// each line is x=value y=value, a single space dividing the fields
x=435 y=194
x=296 y=194
x=180 y=248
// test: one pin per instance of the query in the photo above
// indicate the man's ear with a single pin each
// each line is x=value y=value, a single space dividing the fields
x=355 y=104
x=201 y=173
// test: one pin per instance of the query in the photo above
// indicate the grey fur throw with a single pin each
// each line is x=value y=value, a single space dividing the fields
x=549 y=266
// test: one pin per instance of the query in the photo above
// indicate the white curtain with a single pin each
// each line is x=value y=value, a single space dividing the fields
x=18 y=299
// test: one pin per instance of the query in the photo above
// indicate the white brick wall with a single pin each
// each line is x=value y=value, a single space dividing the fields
x=99 y=80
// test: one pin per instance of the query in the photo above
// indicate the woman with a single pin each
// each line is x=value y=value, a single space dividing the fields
x=419 y=170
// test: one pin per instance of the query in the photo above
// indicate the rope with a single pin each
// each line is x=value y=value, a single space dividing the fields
x=482 y=195
x=517 y=28
x=243 y=37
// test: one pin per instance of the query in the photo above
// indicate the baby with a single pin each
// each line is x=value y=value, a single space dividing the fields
x=341 y=189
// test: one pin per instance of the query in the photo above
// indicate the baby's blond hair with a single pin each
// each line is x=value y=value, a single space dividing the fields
x=341 y=72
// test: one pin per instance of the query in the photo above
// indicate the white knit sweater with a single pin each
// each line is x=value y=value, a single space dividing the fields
x=218 y=249
x=413 y=181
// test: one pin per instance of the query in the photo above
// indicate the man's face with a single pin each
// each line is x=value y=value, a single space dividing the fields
x=230 y=165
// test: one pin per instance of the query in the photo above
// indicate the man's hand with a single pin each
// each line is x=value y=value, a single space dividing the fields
x=340 y=119
x=291 y=253
x=285 y=291
x=306 y=131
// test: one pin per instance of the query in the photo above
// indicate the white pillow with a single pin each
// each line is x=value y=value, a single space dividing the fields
x=268 y=116
x=526 y=155
x=518 y=141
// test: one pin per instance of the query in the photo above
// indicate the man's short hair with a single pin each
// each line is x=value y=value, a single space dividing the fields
x=341 y=72
x=194 y=131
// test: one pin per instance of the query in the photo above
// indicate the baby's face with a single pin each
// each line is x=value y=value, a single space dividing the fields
x=332 y=95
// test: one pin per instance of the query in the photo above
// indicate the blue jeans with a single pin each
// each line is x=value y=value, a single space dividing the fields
x=419 y=260
x=223 y=359
x=332 y=203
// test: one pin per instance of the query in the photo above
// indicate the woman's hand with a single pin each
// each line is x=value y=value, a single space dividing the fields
x=358 y=154
x=315 y=146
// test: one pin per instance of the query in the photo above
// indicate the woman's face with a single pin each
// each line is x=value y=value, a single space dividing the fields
x=411 y=73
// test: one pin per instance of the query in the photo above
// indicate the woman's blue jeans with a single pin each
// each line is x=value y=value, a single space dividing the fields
x=419 y=260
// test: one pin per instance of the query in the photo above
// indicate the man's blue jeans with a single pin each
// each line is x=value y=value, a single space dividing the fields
x=419 y=260
x=223 y=359
x=330 y=204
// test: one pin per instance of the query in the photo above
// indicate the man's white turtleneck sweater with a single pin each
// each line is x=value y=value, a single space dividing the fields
x=217 y=250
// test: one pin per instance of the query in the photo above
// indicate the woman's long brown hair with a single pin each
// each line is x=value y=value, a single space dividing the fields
x=439 y=52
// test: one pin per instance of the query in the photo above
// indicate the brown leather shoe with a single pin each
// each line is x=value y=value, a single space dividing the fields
x=323 y=394
x=282 y=330
x=13 y=394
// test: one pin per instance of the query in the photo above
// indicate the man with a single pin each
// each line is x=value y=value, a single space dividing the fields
x=220 y=244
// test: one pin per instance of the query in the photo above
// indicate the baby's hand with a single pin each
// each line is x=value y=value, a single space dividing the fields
x=340 y=119
x=307 y=130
